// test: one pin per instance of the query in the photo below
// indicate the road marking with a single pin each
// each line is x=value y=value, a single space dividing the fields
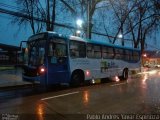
x=59 y=95
x=117 y=84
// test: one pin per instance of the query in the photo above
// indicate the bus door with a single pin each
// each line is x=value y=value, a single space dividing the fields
x=58 y=68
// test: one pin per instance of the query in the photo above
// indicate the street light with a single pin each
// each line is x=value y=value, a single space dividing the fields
x=143 y=59
x=78 y=32
x=79 y=23
x=120 y=36
x=79 y=26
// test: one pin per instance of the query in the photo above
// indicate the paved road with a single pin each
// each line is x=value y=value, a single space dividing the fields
x=139 y=95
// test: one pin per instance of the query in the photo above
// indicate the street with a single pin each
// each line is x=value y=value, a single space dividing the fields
x=137 y=95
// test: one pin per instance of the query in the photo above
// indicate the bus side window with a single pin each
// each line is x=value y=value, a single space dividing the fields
x=104 y=52
x=110 y=52
x=90 y=51
x=97 y=51
x=119 y=53
x=72 y=52
x=135 y=56
x=77 y=49
x=126 y=55
x=73 y=49
x=82 y=50
x=130 y=56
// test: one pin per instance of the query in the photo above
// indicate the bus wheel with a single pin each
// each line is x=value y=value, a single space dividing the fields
x=125 y=74
x=77 y=78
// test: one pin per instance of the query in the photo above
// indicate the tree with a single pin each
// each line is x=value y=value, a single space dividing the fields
x=38 y=15
x=83 y=9
x=136 y=19
x=50 y=21
x=30 y=9
x=142 y=22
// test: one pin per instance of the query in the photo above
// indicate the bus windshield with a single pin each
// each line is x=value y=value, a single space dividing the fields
x=36 y=52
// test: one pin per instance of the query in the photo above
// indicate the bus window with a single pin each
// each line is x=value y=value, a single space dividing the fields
x=77 y=49
x=128 y=55
x=110 y=52
x=135 y=56
x=36 y=52
x=41 y=55
x=107 y=52
x=26 y=54
x=118 y=53
x=57 y=49
x=104 y=52
x=90 y=51
x=50 y=51
x=97 y=51
x=93 y=51
x=33 y=56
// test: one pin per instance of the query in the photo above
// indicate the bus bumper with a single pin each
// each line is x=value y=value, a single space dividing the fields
x=36 y=79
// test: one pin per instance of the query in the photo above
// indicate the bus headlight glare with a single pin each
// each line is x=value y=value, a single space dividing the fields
x=42 y=70
x=117 y=79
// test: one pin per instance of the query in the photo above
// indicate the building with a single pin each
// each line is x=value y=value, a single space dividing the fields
x=151 y=58
x=9 y=55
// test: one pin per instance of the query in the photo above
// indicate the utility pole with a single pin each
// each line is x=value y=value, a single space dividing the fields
x=88 y=19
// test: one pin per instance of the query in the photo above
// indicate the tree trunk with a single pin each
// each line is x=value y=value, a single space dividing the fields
x=53 y=15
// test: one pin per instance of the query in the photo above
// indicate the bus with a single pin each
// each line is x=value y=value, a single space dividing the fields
x=53 y=58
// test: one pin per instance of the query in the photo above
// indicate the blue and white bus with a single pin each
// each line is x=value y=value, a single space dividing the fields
x=54 y=59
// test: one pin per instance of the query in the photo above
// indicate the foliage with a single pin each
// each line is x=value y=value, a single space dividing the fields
x=135 y=19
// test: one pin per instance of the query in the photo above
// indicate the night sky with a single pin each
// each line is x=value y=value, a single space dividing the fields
x=12 y=35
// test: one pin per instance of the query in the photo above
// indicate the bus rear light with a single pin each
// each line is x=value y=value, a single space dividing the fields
x=87 y=73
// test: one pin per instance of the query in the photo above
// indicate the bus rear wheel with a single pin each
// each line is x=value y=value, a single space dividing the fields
x=124 y=75
x=77 y=78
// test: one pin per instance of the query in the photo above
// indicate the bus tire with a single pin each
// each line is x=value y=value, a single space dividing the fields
x=77 y=78
x=124 y=74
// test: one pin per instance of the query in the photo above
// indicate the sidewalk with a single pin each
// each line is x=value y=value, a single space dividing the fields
x=11 y=79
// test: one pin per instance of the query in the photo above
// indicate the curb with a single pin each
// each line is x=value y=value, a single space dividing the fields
x=15 y=87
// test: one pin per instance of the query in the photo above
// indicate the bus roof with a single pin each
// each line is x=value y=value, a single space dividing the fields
x=50 y=33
